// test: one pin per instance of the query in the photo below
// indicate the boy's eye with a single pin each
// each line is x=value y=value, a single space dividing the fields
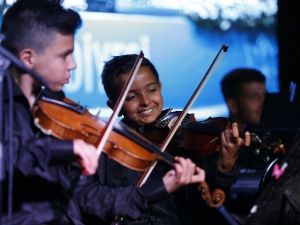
x=253 y=96
x=130 y=97
x=153 y=88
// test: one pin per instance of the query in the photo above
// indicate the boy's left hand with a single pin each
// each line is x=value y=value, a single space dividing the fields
x=231 y=142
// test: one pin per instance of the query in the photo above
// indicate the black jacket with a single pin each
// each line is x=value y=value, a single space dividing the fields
x=279 y=202
x=47 y=189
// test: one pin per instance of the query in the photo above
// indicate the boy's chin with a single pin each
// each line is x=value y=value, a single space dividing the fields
x=55 y=88
x=147 y=121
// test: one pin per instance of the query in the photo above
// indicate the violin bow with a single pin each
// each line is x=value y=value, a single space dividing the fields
x=119 y=103
x=187 y=107
x=179 y=120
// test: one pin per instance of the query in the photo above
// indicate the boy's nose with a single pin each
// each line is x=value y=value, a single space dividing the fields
x=145 y=99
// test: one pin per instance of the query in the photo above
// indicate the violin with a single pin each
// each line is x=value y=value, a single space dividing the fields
x=68 y=121
x=200 y=138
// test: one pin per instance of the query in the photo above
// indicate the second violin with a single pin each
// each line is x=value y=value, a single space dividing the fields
x=199 y=138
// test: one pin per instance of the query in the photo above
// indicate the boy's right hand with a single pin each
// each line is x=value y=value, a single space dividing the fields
x=184 y=172
x=87 y=155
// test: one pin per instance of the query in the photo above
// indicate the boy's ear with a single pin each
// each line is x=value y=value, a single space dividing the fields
x=111 y=105
x=231 y=103
x=27 y=57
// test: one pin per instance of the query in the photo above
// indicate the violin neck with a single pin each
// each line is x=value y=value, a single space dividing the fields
x=202 y=128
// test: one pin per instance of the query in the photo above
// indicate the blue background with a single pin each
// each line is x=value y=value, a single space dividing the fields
x=180 y=50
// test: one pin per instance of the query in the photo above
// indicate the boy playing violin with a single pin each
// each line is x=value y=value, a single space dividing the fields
x=143 y=107
x=41 y=185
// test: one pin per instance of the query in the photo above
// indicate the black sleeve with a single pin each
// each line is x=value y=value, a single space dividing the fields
x=216 y=178
x=32 y=155
x=107 y=202
x=279 y=201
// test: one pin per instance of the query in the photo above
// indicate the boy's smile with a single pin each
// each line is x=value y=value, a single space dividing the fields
x=144 y=101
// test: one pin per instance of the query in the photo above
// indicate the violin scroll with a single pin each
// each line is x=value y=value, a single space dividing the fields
x=215 y=199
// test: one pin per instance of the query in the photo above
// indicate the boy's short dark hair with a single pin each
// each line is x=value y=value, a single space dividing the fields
x=31 y=23
x=233 y=81
x=117 y=66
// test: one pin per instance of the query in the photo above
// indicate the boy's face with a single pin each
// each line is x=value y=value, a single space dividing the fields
x=55 y=63
x=250 y=103
x=144 y=101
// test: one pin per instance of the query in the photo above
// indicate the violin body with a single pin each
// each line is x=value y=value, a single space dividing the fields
x=198 y=138
x=69 y=121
